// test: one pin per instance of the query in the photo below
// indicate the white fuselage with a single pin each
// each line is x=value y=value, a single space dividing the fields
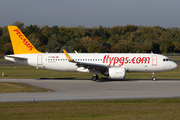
x=132 y=62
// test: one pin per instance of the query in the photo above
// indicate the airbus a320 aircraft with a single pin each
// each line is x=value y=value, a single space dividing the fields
x=114 y=65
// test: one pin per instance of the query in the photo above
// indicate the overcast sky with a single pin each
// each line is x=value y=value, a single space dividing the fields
x=91 y=13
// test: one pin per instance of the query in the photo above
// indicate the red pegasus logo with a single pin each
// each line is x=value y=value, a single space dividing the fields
x=26 y=42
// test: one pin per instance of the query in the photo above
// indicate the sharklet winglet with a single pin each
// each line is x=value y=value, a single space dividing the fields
x=67 y=56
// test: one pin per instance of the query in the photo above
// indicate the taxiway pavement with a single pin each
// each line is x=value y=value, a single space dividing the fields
x=71 y=89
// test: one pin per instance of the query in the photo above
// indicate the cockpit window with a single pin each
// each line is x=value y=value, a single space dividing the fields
x=166 y=59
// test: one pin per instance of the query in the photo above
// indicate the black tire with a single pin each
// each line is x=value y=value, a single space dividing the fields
x=94 y=78
x=153 y=78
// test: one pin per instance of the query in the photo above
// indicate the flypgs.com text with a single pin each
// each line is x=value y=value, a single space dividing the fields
x=26 y=42
x=125 y=60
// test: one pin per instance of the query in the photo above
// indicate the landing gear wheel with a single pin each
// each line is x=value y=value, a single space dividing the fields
x=153 y=78
x=94 y=78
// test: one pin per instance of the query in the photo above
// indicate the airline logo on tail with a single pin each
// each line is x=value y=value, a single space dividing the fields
x=25 y=41
x=20 y=43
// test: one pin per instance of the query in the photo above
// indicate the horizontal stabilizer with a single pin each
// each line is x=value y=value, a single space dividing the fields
x=15 y=56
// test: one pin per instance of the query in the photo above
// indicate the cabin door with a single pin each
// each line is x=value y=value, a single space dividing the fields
x=154 y=60
x=40 y=60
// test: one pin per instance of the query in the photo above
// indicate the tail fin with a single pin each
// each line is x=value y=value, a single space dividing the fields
x=20 y=43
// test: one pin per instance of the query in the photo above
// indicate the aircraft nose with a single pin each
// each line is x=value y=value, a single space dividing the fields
x=174 y=65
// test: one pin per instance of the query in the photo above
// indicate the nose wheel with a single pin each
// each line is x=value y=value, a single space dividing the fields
x=95 y=78
x=153 y=76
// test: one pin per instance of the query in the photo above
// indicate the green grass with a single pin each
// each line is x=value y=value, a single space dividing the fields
x=2 y=59
x=145 y=109
x=30 y=72
x=176 y=58
x=6 y=87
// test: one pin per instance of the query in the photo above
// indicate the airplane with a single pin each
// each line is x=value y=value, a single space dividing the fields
x=114 y=65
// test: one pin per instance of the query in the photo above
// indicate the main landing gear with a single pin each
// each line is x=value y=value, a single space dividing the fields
x=95 y=78
x=153 y=76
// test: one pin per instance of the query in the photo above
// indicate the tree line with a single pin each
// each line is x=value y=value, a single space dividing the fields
x=117 y=39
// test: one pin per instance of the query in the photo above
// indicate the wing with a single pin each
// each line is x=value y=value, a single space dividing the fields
x=90 y=66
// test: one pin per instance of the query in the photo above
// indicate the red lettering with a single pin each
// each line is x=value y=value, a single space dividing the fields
x=121 y=61
x=126 y=60
x=133 y=60
x=138 y=60
x=21 y=37
x=17 y=31
x=107 y=59
x=111 y=60
x=28 y=45
x=104 y=58
x=145 y=59
x=26 y=42
x=30 y=48
x=116 y=59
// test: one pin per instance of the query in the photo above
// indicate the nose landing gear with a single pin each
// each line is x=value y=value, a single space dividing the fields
x=153 y=76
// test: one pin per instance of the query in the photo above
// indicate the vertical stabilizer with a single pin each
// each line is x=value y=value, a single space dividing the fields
x=20 y=43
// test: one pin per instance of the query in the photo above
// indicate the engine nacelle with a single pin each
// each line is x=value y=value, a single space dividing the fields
x=117 y=73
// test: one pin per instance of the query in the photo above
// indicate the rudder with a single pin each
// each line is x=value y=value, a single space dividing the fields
x=20 y=44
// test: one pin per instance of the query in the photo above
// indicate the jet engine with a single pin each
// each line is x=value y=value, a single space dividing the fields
x=117 y=73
